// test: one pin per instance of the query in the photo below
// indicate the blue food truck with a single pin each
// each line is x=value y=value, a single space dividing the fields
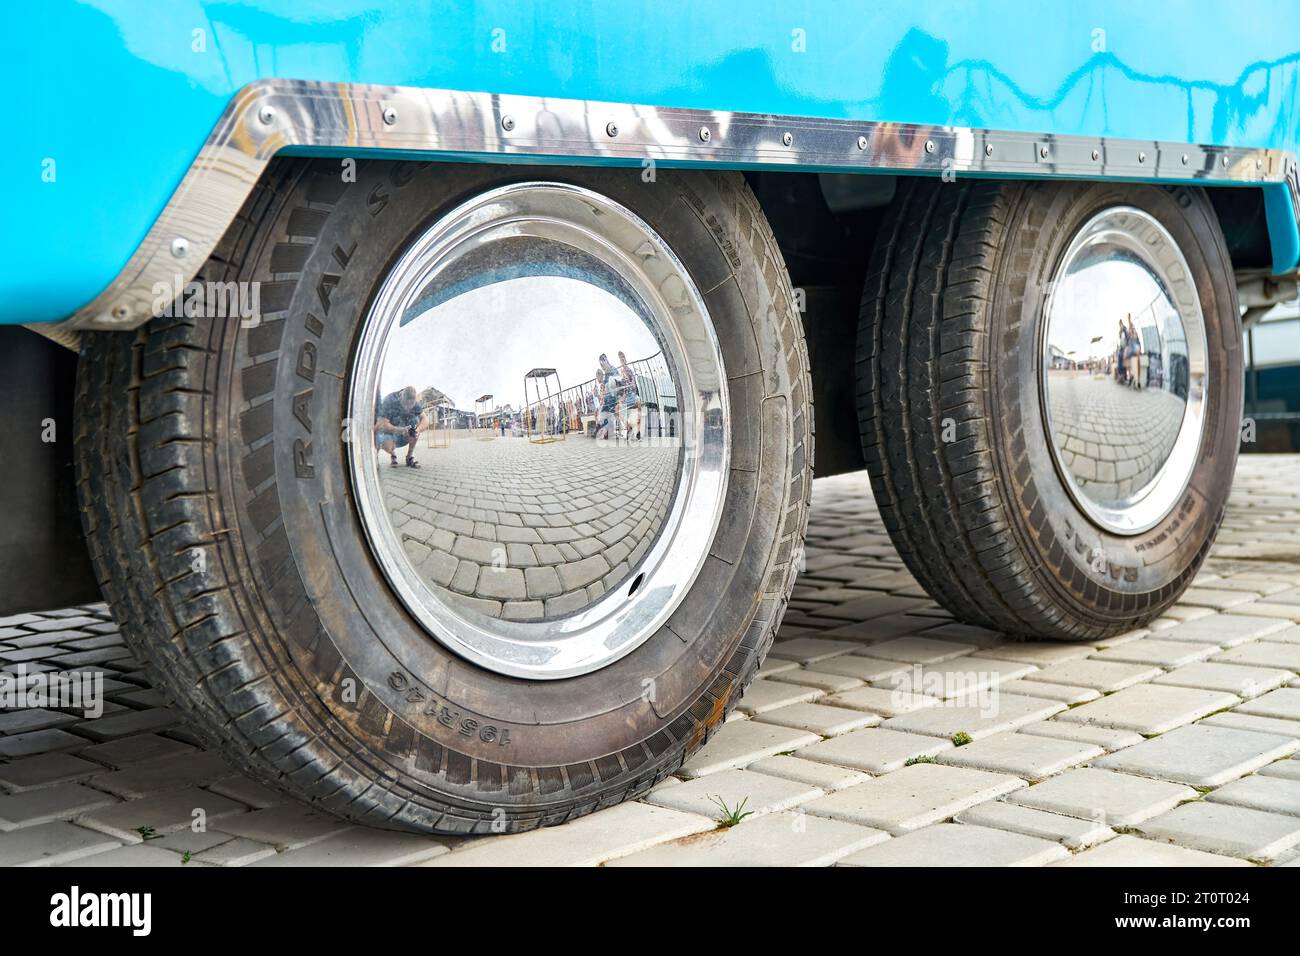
x=995 y=254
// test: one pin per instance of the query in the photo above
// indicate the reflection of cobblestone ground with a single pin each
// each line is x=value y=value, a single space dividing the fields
x=820 y=745
x=1112 y=438
x=525 y=531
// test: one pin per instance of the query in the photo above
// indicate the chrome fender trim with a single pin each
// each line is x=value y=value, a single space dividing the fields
x=269 y=116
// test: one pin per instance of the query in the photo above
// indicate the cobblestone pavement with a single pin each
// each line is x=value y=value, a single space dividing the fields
x=525 y=531
x=1112 y=438
x=1173 y=745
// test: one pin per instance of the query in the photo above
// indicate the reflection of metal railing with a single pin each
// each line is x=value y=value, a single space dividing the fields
x=644 y=403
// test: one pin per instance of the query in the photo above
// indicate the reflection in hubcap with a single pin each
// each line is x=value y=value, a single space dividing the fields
x=1124 y=371
x=539 y=446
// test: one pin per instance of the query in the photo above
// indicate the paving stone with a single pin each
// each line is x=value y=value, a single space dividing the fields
x=1103 y=796
x=1283 y=704
x=248 y=792
x=913 y=797
x=742 y=742
x=1262 y=725
x=819 y=719
x=740 y=790
x=187 y=840
x=1026 y=756
x=39 y=741
x=873 y=749
x=918 y=650
x=49 y=803
x=164 y=812
x=955 y=678
x=1072 y=832
x=1063 y=692
x=1238 y=679
x=809 y=650
x=878 y=700
x=129 y=723
x=165 y=773
x=1157 y=652
x=1038 y=653
x=1133 y=851
x=287 y=827
x=1263 y=654
x=1200 y=755
x=1224 y=630
x=1149 y=708
x=827 y=683
x=1103 y=737
x=51 y=843
x=777 y=839
x=33 y=718
x=823 y=776
x=1220 y=828
x=44 y=770
x=138 y=855
x=130 y=750
x=861 y=668
x=951 y=844
x=236 y=852
x=764 y=695
x=1285 y=769
x=998 y=713
x=1269 y=794
x=1283 y=612
x=1103 y=676
x=361 y=847
x=587 y=841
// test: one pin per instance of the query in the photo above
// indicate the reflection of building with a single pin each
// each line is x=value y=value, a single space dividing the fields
x=1273 y=380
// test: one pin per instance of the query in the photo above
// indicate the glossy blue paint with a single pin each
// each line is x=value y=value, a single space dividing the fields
x=116 y=94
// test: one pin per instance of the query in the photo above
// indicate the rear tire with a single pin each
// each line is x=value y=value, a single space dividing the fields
x=221 y=523
x=949 y=368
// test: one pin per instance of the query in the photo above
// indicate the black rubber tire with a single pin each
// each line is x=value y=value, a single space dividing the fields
x=218 y=510
x=949 y=334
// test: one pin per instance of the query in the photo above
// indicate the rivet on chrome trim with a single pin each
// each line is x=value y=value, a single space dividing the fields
x=266 y=115
x=180 y=247
x=1142 y=157
x=787 y=139
x=390 y=116
x=611 y=129
x=929 y=146
x=705 y=135
x=507 y=123
x=1184 y=159
x=1096 y=155
x=988 y=149
x=862 y=142
x=1042 y=151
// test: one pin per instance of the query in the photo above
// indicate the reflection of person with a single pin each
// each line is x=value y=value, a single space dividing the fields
x=631 y=400
x=609 y=386
x=398 y=423
x=1133 y=355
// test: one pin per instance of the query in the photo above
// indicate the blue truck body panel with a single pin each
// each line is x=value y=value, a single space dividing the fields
x=121 y=94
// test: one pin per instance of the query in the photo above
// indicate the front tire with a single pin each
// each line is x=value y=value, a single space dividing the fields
x=222 y=521
x=983 y=496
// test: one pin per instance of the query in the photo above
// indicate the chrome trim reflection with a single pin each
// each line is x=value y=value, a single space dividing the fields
x=1124 y=408
x=620 y=620
x=269 y=116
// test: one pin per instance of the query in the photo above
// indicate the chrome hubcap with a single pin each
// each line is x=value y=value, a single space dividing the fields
x=1124 y=371
x=544 y=373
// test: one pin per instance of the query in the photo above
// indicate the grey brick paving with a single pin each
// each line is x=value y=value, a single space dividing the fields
x=1059 y=773
x=529 y=530
x=1112 y=438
